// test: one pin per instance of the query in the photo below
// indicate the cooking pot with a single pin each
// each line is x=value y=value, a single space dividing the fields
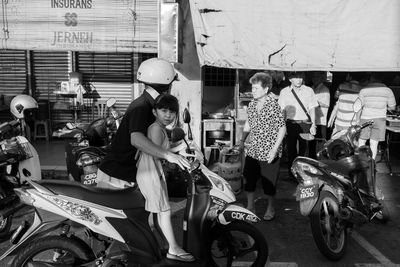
x=216 y=134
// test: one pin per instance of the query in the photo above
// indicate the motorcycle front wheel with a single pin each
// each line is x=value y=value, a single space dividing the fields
x=54 y=250
x=238 y=243
x=327 y=227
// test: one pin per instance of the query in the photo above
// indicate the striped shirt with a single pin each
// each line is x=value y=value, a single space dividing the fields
x=376 y=98
x=348 y=93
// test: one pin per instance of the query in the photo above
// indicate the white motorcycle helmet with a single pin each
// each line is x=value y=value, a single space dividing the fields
x=21 y=103
x=156 y=72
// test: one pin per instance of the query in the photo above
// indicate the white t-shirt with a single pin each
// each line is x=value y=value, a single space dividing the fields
x=291 y=106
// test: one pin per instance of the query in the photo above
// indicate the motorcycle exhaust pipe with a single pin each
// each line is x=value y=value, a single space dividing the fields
x=14 y=207
x=345 y=214
x=352 y=215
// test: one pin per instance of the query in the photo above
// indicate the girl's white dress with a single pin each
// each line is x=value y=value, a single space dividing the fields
x=151 y=182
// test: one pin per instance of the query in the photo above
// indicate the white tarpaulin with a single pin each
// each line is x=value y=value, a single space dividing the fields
x=332 y=35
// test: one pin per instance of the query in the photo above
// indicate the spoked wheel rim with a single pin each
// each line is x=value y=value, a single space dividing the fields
x=235 y=246
x=333 y=231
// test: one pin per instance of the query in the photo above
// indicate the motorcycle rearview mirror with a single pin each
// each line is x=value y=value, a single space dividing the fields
x=111 y=102
x=186 y=116
x=186 y=119
x=357 y=105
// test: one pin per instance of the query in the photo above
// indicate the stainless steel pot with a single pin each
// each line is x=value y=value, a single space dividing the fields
x=216 y=134
x=217 y=116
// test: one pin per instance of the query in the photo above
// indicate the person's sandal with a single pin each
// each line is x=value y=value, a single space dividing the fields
x=269 y=215
x=186 y=257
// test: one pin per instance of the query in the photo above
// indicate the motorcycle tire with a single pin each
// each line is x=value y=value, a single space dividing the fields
x=332 y=245
x=63 y=248
x=235 y=240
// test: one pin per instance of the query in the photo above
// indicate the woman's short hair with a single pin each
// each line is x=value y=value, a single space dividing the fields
x=167 y=101
x=261 y=77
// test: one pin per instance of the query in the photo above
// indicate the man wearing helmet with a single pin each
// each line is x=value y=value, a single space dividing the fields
x=118 y=169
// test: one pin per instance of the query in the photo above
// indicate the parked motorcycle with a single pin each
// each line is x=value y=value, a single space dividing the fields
x=216 y=231
x=84 y=155
x=19 y=161
x=333 y=190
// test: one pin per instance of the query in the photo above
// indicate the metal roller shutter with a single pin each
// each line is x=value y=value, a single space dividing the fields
x=13 y=75
x=110 y=74
x=49 y=69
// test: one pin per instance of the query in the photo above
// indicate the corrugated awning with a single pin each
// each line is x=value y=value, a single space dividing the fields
x=332 y=35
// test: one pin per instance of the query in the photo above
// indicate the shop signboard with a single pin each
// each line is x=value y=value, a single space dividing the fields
x=80 y=25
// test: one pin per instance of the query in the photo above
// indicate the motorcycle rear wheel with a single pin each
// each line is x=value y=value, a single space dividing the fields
x=238 y=242
x=54 y=250
x=328 y=231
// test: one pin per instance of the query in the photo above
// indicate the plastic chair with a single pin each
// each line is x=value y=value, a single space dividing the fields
x=44 y=133
x=42 y=121
x=101 y=107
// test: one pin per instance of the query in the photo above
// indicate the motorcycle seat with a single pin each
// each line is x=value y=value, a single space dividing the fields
x=127 y=198
x=337 y=167
x=346 y=166
x=96 y=151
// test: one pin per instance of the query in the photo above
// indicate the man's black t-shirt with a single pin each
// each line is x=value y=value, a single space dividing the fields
x=120 y=161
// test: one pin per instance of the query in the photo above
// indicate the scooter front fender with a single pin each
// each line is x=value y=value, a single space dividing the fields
x=36 y=228
x=233 y=212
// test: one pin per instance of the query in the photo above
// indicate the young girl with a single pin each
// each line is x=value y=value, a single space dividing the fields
x=150 y=176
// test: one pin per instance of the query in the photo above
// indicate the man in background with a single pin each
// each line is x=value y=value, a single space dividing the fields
x=376 y=100
x=298 y=103
x=342 y=114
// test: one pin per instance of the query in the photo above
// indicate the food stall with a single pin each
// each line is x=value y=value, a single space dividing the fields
x=332 y=36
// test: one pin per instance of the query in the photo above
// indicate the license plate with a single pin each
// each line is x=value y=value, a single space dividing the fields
x=306 y=192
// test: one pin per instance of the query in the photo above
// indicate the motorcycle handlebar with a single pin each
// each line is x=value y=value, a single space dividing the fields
x=8 y=126
x=366 y=124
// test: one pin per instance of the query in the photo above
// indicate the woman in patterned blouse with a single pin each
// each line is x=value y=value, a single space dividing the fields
x=266 y=127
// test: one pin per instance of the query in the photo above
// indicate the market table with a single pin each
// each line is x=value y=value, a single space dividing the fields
x=392 y=128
